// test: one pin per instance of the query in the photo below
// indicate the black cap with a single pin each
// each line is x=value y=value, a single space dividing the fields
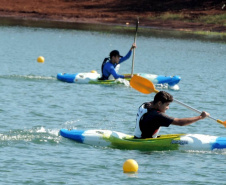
x=115 y=53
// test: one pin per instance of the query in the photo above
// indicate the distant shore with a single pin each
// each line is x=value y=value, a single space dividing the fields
x=113 y=28
x=199 y=20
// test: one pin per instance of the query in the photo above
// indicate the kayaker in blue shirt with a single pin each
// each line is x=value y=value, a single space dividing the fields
x=111 y=65
x=151 y=116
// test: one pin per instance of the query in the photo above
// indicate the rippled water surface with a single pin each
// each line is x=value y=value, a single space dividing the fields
x=34 y=106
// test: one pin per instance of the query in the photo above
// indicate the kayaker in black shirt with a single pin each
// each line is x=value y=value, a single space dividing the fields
x=151 y=116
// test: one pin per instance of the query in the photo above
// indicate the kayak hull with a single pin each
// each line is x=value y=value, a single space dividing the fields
x=92 y=78
x=113 y=139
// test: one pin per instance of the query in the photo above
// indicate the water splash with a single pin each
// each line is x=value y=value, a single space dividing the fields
x=215 y=151
x=166 y=86
x=35 y=135
x=27 y=77
x=72 y=124
x=123 y=81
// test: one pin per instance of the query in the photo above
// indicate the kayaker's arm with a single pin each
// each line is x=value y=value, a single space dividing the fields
x=128 y=54
x=188 y=121
x=127 y=76
x=114 y=74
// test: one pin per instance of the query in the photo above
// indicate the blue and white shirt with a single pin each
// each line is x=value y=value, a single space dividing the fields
x=109 y=68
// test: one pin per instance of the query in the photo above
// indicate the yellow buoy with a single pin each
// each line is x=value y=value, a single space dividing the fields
x=93 y=71
x=40 y=59
x=130 y=166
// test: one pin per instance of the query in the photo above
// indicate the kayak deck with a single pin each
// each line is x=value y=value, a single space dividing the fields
x=119 y=140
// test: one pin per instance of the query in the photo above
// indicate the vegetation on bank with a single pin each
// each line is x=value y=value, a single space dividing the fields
x=214 y=19
x=129 y=29
x=219 y=19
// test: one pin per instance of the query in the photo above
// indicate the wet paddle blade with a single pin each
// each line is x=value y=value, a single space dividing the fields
x=222 y=122
x=142 y=85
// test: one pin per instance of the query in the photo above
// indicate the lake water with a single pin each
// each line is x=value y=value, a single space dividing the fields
x=34 y=106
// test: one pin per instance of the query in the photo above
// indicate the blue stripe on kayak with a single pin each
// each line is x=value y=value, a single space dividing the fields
x=175 y=80
x=73 y=134
x=168 y=79
x=220 y=143
x=163 y=79
x=66 y=77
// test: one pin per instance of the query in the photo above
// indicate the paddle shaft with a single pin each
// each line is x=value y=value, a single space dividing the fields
x=135 y=38
x=191 y=108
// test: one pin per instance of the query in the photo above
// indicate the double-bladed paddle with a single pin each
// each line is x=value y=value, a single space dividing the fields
x=145 y=86
x=135 y=37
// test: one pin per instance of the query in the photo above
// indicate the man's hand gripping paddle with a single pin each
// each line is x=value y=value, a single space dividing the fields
x=145 y=86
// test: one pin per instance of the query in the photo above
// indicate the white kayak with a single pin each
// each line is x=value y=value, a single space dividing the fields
x=160 y=81
x=113 y=139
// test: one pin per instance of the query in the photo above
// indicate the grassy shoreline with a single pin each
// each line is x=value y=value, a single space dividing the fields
x=113 y=28
x=219 y=19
